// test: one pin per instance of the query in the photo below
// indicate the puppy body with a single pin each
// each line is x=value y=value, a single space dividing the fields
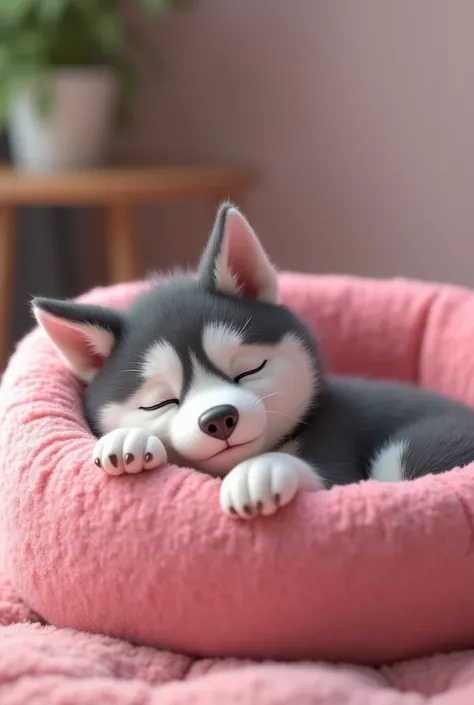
x=213 y=373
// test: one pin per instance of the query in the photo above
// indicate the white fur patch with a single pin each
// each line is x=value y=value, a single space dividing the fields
x=162 y=373
x=387 y=465
x=295 y=386
x=218 y=339
x=162 y=359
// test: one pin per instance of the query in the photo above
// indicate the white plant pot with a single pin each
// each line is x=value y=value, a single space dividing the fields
x=76 y=132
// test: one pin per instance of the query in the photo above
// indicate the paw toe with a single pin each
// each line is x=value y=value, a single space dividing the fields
x=155 y=453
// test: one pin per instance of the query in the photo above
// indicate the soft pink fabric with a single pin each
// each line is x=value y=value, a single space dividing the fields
x=43 y=665
x=363 y=573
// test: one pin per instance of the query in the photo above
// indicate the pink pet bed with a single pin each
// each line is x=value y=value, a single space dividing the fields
x=48 y=666
x=366 y=573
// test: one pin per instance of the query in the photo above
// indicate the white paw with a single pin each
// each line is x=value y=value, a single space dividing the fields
x=259 y=486
x=129 y=450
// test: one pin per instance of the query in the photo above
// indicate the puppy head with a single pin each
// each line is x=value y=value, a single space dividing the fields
x=211 y=365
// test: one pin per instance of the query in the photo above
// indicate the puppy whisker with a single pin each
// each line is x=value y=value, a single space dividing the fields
x=289 y=416
x=272 y=394
x=245 y=326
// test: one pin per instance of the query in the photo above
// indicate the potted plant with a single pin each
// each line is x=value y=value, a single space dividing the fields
x=64 y=76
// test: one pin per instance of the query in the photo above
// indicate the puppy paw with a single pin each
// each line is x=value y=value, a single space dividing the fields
x=129 y=450
x=259 y=486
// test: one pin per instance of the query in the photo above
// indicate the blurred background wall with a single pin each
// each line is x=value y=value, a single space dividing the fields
x=359 y=116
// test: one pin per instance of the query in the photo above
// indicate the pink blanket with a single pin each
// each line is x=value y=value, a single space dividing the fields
x=363 y=573
x=42 y=665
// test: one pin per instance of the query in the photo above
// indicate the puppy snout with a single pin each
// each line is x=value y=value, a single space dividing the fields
x=219 y=421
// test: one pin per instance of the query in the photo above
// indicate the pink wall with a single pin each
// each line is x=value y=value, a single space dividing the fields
x=359 y=116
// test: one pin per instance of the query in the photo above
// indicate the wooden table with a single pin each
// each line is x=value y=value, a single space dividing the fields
x=119 y=191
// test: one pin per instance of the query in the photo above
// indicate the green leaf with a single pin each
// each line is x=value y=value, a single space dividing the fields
x=27 y=49
x=4 y=60
x=108 y=32
x=51 y=11
x=4 y=106
x=14 y=12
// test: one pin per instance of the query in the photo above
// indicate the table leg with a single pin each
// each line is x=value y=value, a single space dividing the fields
x=121 y=252
x=7 y=218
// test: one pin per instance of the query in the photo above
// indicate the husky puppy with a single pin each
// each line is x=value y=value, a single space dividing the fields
x=211 y=372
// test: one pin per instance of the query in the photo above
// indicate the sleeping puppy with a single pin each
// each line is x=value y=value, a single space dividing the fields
x=213 y=373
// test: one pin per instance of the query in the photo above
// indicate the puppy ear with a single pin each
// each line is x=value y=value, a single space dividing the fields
x=234 y=262
x=83 y=335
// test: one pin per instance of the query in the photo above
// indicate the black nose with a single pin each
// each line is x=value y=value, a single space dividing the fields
x=219 y=421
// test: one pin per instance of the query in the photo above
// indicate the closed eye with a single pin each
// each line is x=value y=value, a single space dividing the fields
x=250 y=372
x=160 y=405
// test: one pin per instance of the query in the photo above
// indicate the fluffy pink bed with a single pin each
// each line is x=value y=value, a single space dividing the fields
x=367 y=573
x=48 y=666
